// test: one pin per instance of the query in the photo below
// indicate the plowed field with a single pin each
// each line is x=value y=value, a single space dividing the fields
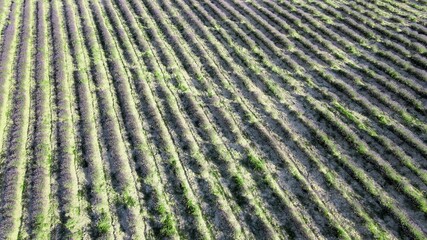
x=213 y=119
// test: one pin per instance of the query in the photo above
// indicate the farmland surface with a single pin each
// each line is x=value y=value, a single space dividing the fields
x=213 y=119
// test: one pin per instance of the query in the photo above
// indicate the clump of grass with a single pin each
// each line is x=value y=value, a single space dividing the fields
x=273 y=89
x=71 y=225
x=419 y=48
x=168 y=223
x=41 y=225
x=256 y=163
x=384 y=119
x=250 y=118
x=330 y=177
x=362 y=149
x=103 y=225
x=191 y=207
x=183 y=87
x=168 y=228
x=352 y=49
x=393 y=73
x=199 y=77
x=238 y=181
x=158 y=74
x=126 y=200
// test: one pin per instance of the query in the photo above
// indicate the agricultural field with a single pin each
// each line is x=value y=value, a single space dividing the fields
x=213 y=119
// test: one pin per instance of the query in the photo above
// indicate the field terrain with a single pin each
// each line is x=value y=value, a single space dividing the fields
x=213 y=119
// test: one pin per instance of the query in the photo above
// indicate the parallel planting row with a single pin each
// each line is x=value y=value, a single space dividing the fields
x=225 y=119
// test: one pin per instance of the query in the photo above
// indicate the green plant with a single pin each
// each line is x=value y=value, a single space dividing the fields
x=103 y=225
x=256 y=163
